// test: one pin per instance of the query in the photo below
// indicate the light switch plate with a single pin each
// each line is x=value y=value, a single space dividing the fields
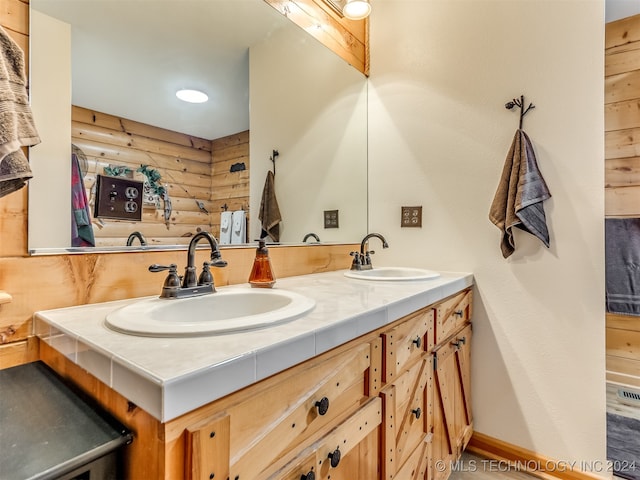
x=331 y=219
x=411 y=217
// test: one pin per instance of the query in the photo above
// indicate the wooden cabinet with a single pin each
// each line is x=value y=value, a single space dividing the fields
x=259 y=432
x=426 y=391
x=393 y=404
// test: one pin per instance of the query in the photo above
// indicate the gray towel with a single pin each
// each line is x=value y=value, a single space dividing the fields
x=622 y=247
x=14 y=172
x=269 y=210
x=17 y=128
x=518 y=199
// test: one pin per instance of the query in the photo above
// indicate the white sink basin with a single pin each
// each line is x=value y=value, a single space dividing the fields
x=392 y=274
x=226 y=311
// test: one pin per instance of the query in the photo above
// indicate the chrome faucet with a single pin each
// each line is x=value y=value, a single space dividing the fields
x=311 y=235
x=362 y=259
x=137 y=235
x=190 y=286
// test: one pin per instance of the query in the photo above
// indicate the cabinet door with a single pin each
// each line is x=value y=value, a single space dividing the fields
x=405 y=343
x=408 y=418
x=347 y=452
x=453 y=421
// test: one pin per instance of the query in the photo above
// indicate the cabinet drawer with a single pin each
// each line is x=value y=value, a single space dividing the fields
x=452 y=314
x=343 y=453
x=408 y=414
x=405 y=343
x=264 y=428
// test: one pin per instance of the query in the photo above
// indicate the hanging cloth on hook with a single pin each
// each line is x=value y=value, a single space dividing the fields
x=269 y=214
x=518 y=199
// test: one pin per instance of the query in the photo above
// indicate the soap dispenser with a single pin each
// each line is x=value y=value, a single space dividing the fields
x=262 y=274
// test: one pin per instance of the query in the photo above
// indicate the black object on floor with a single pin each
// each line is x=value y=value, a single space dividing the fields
x=48 y=431
x=623 y=445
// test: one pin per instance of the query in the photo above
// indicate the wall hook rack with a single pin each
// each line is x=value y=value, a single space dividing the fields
x=519 y=103
x=273 y=157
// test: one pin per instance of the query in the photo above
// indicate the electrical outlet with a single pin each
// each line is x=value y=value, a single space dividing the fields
x=411 y=217
x=331 y=219
x=118 y=198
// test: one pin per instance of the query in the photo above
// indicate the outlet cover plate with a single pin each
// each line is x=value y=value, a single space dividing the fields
x=411 y=217
x=331 y=219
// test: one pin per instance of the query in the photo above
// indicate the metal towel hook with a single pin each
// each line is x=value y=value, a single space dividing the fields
x=520 y=103
x=273 y=160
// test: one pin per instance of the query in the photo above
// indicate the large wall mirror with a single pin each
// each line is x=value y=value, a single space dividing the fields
x=104 y=75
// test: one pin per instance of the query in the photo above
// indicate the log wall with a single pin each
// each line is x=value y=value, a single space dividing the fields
x=622 y=174
x=230 y=189
x=183 y=161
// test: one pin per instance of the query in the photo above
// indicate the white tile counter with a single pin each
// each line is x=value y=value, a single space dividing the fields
x=168 y=377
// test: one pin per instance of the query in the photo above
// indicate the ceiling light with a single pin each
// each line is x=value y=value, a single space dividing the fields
x=356 y=9
x=192 y=96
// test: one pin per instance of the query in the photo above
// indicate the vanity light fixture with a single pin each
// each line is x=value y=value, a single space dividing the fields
x=356 y=9
x=192 y=96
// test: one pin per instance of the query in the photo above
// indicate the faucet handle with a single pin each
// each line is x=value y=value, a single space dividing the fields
x=173 y=268
x=173 y=279
x=205 y=278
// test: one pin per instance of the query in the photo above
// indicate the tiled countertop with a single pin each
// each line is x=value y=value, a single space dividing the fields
x=168 y=377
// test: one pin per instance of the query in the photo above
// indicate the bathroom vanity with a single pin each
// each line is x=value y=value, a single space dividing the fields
x=372 y=383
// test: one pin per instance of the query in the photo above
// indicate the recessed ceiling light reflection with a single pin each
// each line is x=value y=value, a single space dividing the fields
x=192 y=96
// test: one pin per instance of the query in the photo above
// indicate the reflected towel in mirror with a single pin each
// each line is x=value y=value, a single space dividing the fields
x=238 y=227
x=225 y=228
x=269 y=215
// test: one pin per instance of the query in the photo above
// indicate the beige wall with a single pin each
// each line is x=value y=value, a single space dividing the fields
x=441 y=73
x=312 y=107
x=50 y=91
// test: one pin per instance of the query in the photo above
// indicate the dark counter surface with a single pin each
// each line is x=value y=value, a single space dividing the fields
x=47 y=429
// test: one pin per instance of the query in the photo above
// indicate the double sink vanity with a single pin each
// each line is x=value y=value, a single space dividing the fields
x=343 y=374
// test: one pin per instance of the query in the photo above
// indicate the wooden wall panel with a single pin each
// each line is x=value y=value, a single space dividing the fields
x=347 y=38
x=230 y=190
x=183 y=161
x=622 y=174
x=622 y=118
x=623 y=347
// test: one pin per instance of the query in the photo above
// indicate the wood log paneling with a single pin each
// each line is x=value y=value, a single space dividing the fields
x=622 y=118
x=183 y=161
x=623 y=346
x=347 y=38
x=622 y=59
x=229 y=188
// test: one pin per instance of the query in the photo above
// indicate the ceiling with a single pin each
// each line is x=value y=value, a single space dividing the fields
x=129 y=58
x=617 y=9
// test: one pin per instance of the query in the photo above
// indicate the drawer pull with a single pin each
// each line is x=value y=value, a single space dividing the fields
x=322 y=405
x=458 y=313
x=417 y=342
x=309 y=476
x=335 y=457
x=417 y=412
x=459 y=341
